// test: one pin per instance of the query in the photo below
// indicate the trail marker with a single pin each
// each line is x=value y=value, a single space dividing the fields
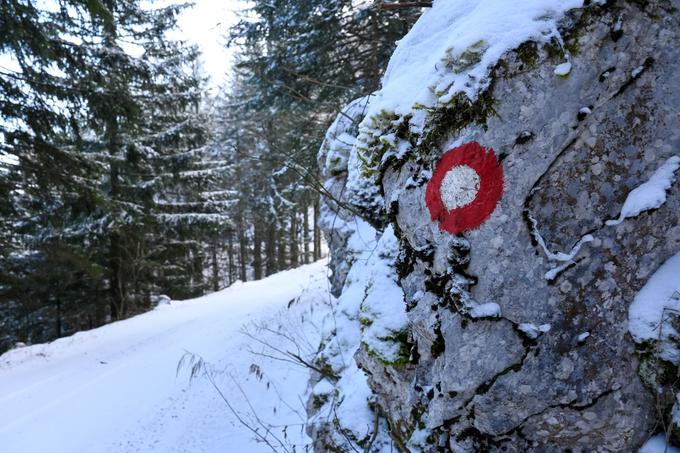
x=465 y=188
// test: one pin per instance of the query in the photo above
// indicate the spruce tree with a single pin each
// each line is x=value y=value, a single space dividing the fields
x=101 y=107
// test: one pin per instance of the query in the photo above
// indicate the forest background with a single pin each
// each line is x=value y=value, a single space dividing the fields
x=124 y=177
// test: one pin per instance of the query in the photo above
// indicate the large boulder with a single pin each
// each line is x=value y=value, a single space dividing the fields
x=579 y=117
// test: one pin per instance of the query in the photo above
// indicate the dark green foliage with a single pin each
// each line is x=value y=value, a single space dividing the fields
x=101 y=126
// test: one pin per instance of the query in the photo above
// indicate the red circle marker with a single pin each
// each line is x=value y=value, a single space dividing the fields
x=461 y=199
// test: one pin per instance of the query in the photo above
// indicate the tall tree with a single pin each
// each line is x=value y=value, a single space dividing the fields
x=102 y=148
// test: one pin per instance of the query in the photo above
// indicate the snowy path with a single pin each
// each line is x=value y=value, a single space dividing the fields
x=115 y=388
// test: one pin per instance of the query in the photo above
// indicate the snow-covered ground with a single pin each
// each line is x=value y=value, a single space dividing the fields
x=118 y=388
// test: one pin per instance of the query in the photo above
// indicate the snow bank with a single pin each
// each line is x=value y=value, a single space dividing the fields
x=650 y=195
x=657 y=301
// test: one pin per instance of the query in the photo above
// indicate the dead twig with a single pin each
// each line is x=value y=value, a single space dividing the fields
x=374 y=435
x=197 y=366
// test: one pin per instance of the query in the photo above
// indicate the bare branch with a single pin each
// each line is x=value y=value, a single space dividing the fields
x=197 y=365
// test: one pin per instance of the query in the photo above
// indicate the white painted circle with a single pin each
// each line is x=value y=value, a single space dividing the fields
x=459 y=187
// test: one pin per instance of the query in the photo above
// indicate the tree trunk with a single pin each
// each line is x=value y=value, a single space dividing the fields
x=112 y=134
x=242 y=249
x=294 y=245
x=376 y=67
x=281 y=245
x=317 y=232
x=305 y=234
x=271 y=248
x=230 y=253
x=116 y=279
x=215 y=268
x=58 y=303
x=257 y=252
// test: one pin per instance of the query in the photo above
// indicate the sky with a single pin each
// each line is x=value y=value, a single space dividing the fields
x=206 y=25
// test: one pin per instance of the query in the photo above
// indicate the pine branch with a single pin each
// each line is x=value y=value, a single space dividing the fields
x=404 y=5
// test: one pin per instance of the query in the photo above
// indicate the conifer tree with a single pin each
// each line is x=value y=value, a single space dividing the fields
x=100 y=109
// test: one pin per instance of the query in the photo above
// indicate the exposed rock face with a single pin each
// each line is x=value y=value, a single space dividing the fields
x=501 y=383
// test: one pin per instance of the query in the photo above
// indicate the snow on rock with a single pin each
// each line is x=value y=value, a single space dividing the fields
x=487 y=310
x=532 y=330
x=455 y=43
x=371 y=308
x=341 y=164
x=582 y=337
x=637 y=71
x=446 y=56
x=343 y=336
x=351 y=414
x=361 y=191
x=567 y=259
x=349 y=236
x=585 y=111
x=352 y=410
x=323 y=387
x=339 y=139
x=563 y=69
x=369 y=313
x=383 y=310
x=651 y=194
x=655 y=306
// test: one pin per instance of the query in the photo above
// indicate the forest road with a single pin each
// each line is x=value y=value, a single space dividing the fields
x=117 y=388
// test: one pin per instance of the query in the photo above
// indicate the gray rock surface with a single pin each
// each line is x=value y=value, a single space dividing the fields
x=485 y=384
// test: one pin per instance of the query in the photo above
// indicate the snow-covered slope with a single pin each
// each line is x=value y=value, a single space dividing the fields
x=118 y=389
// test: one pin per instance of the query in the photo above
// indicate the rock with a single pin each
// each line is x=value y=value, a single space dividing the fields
x=502 y=383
